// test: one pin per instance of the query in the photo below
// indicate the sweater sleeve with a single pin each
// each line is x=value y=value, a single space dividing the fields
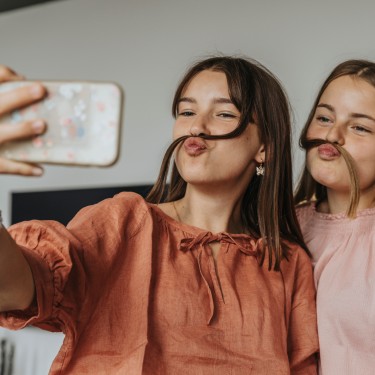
x=70 y=265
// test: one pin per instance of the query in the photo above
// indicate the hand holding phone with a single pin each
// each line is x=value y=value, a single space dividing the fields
x=83 y=124
x=12 y=100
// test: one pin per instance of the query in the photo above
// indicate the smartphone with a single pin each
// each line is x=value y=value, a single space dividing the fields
x=83 y=124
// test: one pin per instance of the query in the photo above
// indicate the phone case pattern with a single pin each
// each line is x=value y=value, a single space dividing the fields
x=83 y=126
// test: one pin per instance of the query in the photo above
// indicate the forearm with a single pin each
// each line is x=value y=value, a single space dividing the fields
x=16 y=280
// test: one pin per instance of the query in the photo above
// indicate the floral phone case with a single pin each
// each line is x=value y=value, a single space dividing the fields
x=83 y=121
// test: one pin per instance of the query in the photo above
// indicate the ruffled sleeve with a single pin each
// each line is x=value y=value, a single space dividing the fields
x=71 y=265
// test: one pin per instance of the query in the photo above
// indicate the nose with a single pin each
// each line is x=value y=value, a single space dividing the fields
x=335 y=134
x=199 y=126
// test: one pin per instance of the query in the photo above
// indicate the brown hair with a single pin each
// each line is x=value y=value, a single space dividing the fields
x=308 y=189
x=267 y=207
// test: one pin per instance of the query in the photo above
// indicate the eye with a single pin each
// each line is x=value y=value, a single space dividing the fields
x=360 y=129
x=186 y=113
x=227 y=115
x=323 y=119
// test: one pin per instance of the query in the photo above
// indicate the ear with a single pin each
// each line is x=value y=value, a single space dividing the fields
x=261 y=154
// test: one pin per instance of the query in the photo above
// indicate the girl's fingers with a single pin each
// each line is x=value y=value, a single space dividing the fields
x=19 y=168
x=10 y=101
x=7 y=74
x=20 y=97
x=12 y=132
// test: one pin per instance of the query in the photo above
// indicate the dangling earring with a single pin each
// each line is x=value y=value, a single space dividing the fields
x=260 y=169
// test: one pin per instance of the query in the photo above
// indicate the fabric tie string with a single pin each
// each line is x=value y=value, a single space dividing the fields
x=252 y=248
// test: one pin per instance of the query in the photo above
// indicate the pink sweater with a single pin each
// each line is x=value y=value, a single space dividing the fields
x=344 y=258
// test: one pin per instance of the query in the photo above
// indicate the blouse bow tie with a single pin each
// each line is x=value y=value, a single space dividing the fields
x=252 y=247
x=248 y=246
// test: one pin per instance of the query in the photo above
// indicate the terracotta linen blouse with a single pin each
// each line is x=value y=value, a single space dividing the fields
x=138 y=293
x=344 y=256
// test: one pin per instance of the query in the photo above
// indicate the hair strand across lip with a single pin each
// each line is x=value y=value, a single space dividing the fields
x=307 y=144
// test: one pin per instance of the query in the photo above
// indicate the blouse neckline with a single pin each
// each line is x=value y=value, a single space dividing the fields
x=191 y=229
x=341 y=215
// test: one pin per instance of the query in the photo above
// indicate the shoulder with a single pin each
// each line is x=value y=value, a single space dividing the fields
x=297 y=270
x=298 y=261
x=121 y=202
x=305 y=209
x=125 y=200
x=297 y=254
x=305 y=213
x=123 y=213
x=124 y=209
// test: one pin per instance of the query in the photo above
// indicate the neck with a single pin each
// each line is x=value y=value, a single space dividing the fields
x=213 y=212
x=338 y=202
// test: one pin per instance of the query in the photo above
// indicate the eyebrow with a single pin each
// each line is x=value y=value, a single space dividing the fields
x=329 y=107
x=353 y=115
x=186 y=99
x=222 y=101
x=362 y=115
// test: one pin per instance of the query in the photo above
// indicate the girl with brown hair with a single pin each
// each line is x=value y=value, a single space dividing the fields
x=214 y=280
x=337 y=215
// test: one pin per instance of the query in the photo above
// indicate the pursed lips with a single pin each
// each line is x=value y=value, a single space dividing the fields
x=328 y=152
x=194 y=146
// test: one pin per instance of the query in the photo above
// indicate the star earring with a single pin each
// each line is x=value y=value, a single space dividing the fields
x=260 y=169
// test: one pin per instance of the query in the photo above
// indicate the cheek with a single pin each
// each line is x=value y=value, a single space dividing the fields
x=364 y=158
x=176 y=132
x=181 y=127
x=309 y=158
x=316 y=132
x=311 y=132
x=176 y=155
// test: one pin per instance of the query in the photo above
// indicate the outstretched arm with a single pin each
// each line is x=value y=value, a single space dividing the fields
x=16 y=280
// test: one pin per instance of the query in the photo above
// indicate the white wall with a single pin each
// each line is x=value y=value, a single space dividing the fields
x=146 y=45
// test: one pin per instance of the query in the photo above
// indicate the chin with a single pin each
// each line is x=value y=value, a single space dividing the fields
x=334 y=183
x=195 y=178
x=327 y=174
